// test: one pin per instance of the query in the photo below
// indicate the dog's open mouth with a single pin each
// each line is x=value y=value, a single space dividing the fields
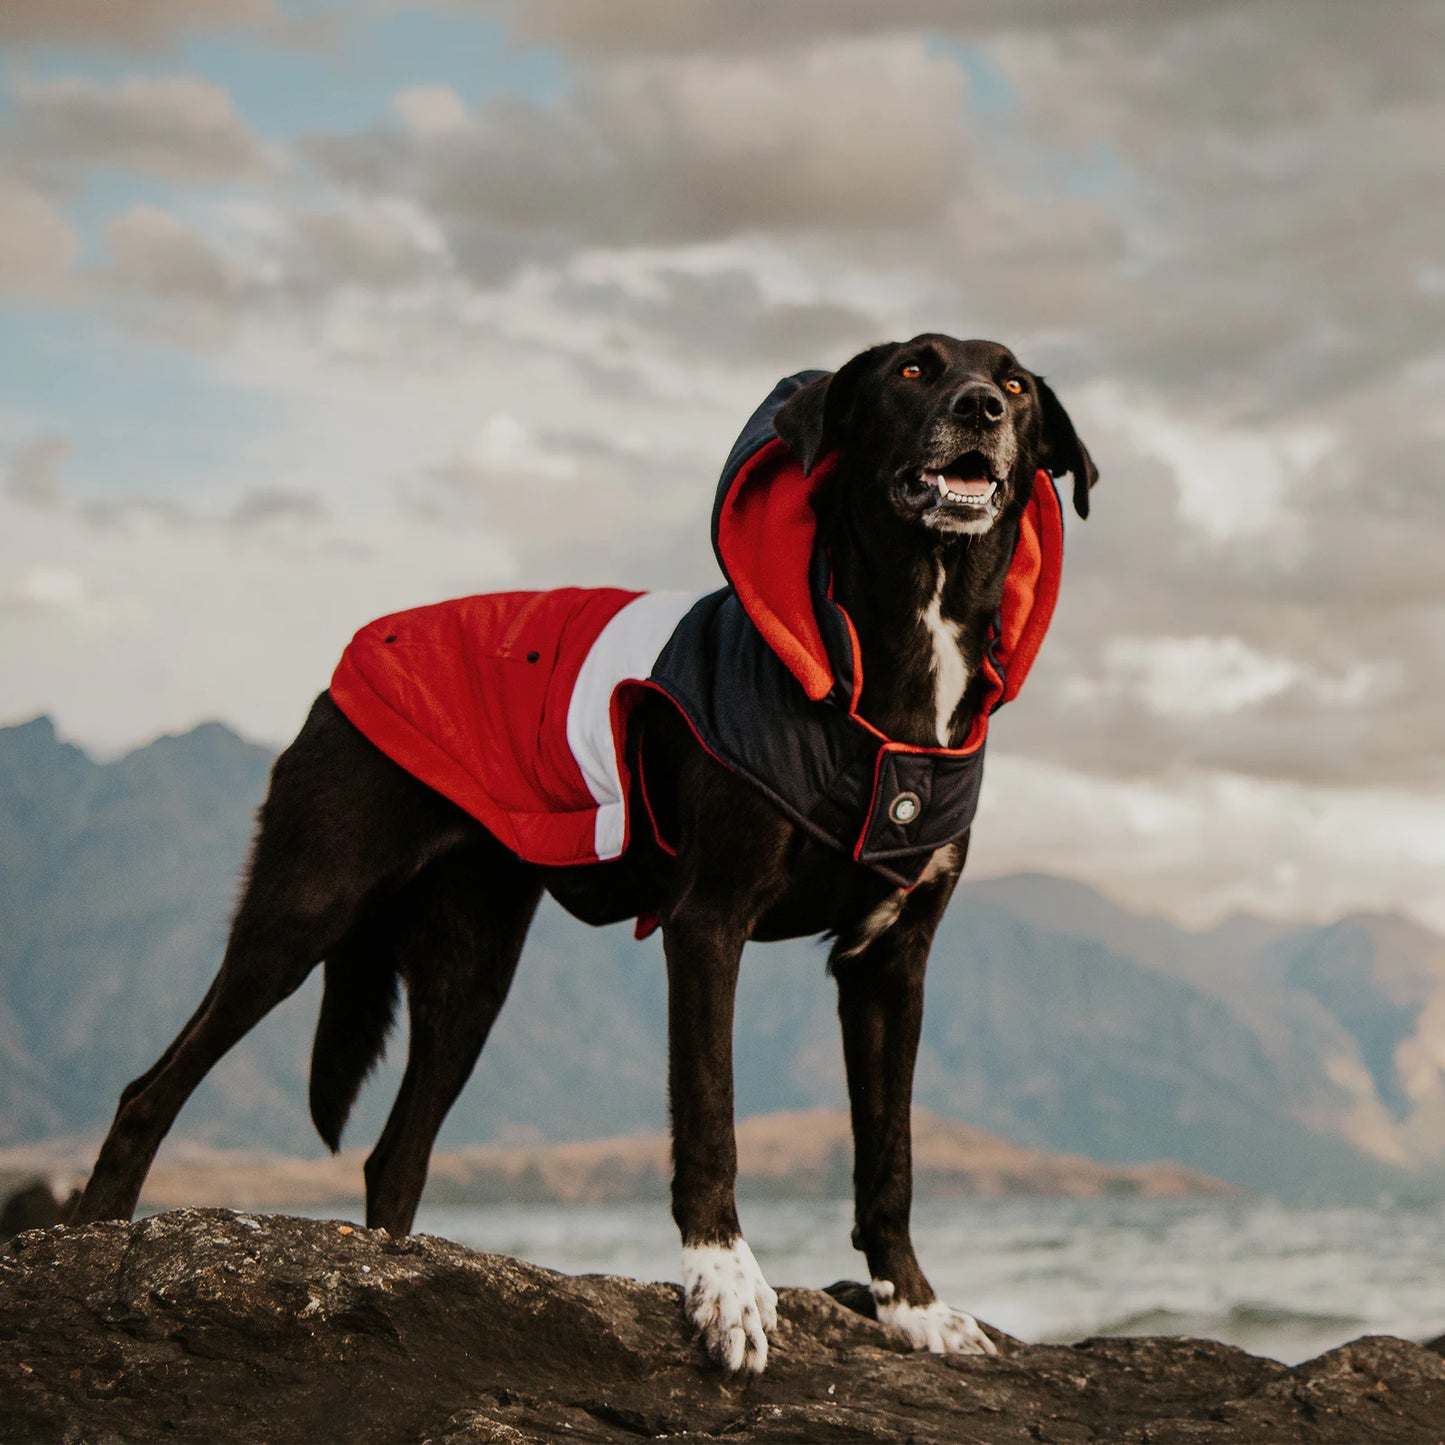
x=964 y=495
x=966 y=482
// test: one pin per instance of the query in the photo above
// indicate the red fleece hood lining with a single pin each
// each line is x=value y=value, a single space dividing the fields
x=765 y=534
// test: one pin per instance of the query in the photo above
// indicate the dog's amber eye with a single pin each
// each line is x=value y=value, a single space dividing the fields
x=1014 y=385
x=912 y=371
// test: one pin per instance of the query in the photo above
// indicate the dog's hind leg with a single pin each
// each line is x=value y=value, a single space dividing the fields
x=880 y=1005
x=339 y=822
x=459 y=931
x=266 y=961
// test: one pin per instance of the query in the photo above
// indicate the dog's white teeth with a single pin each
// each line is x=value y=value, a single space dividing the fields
x=976 y=499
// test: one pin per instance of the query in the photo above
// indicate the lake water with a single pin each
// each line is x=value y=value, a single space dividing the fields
x=1276 y=1280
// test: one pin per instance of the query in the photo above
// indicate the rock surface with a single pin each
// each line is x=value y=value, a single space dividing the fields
x=208 y=1325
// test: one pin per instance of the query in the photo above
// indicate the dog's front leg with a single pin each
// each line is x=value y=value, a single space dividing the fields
x=729 y=871
x=724 y=1293
x=880 y=1005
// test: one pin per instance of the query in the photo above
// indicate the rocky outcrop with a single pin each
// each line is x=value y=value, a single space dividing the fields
x=208 y=1325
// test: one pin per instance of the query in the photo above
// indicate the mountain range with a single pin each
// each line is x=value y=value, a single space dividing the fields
x=791 y=1154
x=1307 y=1060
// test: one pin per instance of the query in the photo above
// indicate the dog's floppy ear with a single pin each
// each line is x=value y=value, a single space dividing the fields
x=820 y=412
x=1063 y=451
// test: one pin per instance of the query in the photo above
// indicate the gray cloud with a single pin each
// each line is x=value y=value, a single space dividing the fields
x=694 y=149
x=253 y=511
x=157 y=254
x=36 y=471
x=374 y=248
x=273 y=504
x=167 y=280
x=1320 y=637
x=583 y=508
x=37 y=243
x=178 y=128
x=725 y=317
x=134 y=25
x=673 y=27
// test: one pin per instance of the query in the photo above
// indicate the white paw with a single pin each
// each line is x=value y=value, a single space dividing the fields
x=728 y=1301
x=937 y=1327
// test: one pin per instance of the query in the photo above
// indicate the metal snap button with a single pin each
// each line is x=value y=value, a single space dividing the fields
x=905 y=808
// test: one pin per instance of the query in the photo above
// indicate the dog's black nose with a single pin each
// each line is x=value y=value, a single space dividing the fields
x=979 y=402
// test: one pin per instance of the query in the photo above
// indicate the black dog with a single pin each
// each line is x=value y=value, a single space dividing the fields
x=358 y=864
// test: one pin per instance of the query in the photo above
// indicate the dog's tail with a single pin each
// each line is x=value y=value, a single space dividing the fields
x=358 y=1004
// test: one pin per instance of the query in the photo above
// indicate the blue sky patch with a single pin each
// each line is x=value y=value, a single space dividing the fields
x=141 y=419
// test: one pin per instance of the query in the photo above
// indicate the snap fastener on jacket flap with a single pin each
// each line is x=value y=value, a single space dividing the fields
x=905 y=808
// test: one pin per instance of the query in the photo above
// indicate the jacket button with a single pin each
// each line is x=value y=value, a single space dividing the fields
x=905 y=808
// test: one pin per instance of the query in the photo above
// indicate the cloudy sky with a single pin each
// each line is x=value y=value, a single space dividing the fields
x=312 y=312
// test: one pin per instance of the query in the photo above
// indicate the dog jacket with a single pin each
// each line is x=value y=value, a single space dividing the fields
x=516 y=705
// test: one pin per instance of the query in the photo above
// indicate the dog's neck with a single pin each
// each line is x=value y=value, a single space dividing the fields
x=922 y=604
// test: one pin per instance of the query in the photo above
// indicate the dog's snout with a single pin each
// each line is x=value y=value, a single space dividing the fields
x=979 y=402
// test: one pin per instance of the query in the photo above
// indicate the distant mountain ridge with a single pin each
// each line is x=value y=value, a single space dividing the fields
x=1351 y=1012
x=1301 y=1060
x=793 y=1154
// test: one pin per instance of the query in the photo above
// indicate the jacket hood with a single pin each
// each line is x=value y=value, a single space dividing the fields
x=765 y=535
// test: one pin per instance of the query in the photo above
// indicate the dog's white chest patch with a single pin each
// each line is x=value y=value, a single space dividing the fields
x=878 y=920
x=729 y=1302
x=950 y=672
x=884 y=915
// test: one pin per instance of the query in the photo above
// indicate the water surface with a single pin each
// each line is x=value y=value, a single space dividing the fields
x=1274 y=1279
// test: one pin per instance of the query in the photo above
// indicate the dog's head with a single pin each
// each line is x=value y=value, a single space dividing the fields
x=950 y=433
